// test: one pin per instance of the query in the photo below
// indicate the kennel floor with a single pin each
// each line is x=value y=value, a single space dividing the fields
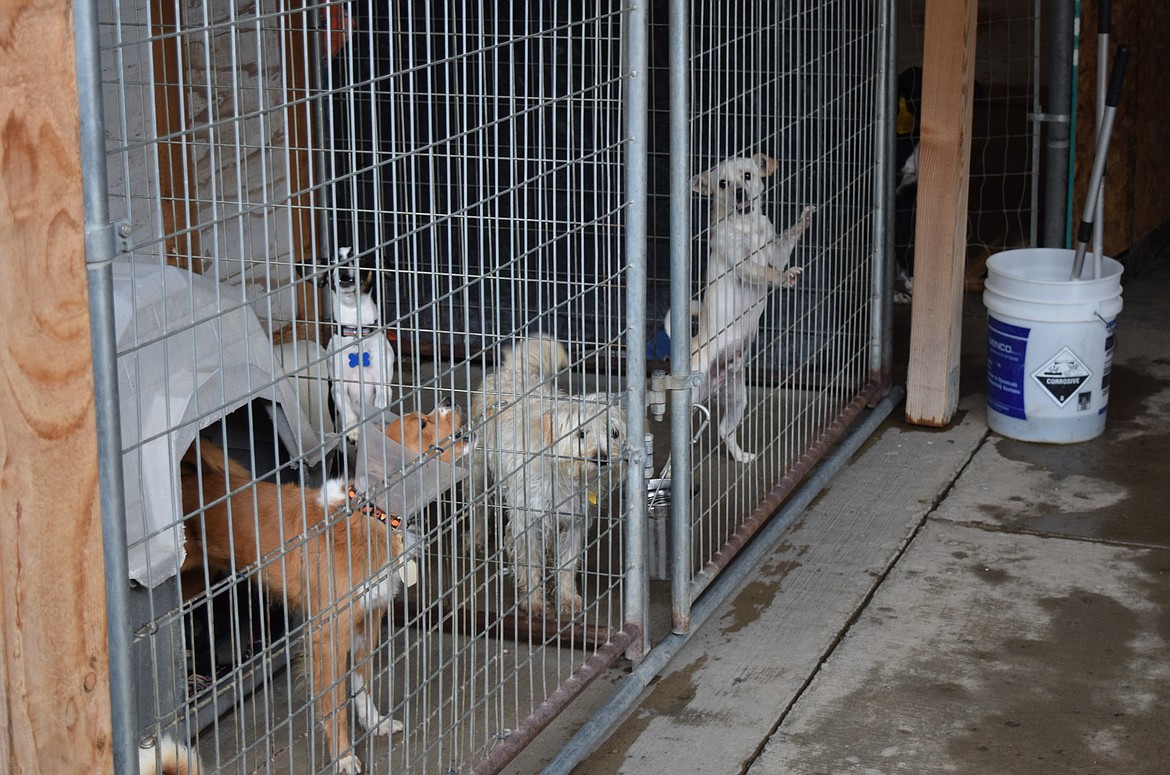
x=955 y=601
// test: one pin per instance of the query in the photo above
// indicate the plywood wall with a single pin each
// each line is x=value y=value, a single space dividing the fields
x=1137 y=197
x=54 y=686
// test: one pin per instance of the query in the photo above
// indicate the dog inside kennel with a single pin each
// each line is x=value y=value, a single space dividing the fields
x=461 y=348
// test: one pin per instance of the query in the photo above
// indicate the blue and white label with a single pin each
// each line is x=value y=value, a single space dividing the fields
x=1007 y=345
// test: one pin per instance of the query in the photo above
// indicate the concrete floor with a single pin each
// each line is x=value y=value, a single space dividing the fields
x=954 y=602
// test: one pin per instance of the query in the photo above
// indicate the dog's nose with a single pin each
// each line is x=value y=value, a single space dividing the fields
x=446 y=403
x=741 y=195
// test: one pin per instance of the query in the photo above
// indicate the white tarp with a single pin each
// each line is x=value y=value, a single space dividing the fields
x=189 y=353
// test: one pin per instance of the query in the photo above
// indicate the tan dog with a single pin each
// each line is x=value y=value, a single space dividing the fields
x=746 y=260
x=332 y=567
x=433 y=435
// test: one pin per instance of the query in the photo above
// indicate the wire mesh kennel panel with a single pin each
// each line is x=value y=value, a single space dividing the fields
x=463 y=164
x=1004 y=195
x=787 y=151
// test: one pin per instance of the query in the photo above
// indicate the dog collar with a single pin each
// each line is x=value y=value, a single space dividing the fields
x=357 y=330
x=370 y=509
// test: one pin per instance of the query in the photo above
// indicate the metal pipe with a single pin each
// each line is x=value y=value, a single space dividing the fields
x=881 y=311
x=1056 y=143
x=607 y=718
x=1104 y=25
x=1037 y=126
x=99 y=253
x=680 y=314
x=1112 y=100
x=637 y=600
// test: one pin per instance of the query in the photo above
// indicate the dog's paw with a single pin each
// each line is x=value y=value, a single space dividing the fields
x=533 y=604
x=349 y=765
x=387 y=726
x=354 y=436
x=790 y=275
x=740 y=456
x=806 y=216
x=572 y=605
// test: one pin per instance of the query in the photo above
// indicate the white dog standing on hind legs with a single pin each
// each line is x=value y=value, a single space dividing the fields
x=549 y=454
x=361 y=360
x=746 y=260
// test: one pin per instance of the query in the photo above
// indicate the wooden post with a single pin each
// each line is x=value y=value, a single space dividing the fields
x=54 y=676
x=932 y=390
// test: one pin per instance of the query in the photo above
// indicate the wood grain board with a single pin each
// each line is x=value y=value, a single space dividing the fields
x=54 y=689
x=932 y=382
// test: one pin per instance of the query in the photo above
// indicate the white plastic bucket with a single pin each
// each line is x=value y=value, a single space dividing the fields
x=1050 y=345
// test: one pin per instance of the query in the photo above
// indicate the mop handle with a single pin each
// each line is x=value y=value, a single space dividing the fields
x=1112 y=98
x=1104 y=23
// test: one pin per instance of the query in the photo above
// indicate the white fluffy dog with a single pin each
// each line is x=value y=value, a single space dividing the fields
x=361 y=360
x=747 y=258
x=548 y=453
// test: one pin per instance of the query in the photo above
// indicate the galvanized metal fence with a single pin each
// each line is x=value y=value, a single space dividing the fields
x=1011 y=66
x=517 y=187
x=796 y=93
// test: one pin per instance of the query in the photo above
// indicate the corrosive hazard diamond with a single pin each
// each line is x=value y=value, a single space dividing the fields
x=1062 y=375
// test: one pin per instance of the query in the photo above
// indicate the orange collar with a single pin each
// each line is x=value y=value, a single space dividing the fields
x=372 y=510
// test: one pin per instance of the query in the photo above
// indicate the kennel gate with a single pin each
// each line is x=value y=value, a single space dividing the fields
x=806 y=84
x=502 y=170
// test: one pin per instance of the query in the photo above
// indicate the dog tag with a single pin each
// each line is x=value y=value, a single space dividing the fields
x=408 y=572
x=593 y=499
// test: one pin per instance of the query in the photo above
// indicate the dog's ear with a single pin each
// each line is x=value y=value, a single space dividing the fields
x=766 y=163
x=701 y=183
x=322 y=268
x=548 y=426
x=366 y=277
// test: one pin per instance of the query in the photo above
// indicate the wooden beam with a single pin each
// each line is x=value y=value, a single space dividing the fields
x=932 y=390
x=54 y=676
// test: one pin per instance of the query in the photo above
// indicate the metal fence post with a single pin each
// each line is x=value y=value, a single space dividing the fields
x=99 y=252
x=1059 y=110
x=680 y=323
x=637 y=123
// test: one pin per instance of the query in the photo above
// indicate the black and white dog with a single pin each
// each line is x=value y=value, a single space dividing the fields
x=361 y=359
x=908 y=131
x=908 y=127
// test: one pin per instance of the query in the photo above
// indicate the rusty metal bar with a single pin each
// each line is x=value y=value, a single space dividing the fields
x=787 y=484
x=556 y=702
x=510 y=626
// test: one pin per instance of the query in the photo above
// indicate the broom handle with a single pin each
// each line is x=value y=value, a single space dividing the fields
x=1104 y=24
x=1112 y=98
